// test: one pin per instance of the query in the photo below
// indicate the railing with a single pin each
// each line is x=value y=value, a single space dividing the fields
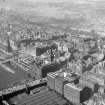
x=21 y=87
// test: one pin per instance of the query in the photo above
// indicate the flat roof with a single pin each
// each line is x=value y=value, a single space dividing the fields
x=45 y=97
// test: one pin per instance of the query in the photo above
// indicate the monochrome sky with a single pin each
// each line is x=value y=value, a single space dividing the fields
x=48 y=1
x=76 y=1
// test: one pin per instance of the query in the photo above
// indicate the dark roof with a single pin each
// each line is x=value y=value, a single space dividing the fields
x=86 y=57
x=45 y=97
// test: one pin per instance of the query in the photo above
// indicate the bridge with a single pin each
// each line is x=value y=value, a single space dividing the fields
x=22 y=88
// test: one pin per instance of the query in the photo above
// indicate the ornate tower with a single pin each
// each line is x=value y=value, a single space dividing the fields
x=9 y=48
x=52 y=56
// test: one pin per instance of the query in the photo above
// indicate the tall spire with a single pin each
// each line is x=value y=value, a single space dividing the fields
x=52 y=56
x=9 y=48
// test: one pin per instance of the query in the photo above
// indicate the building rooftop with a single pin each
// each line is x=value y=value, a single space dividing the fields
x=45 y=97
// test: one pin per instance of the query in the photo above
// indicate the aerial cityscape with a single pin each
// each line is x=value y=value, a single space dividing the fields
x=52 y=52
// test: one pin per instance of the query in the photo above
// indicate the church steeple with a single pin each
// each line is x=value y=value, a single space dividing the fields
x=52 y=56
x=9 y=48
